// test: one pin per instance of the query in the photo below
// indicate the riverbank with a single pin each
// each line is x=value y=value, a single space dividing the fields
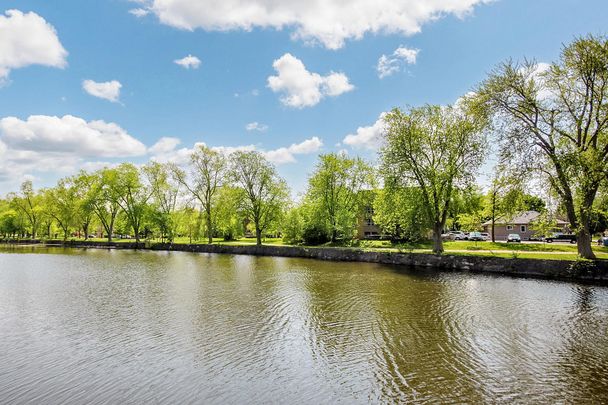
x=587 y=271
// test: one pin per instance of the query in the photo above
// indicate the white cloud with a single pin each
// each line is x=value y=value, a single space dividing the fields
x=308 y=146
x=329 y=22
x=301 y=88
x=286 y=155
x=68 y=135
x=60 y=146
x=165 y=151
x=107 y=90
x=367 y=137
x=139 y=12
x=389 y=64
x=256 y=126
x=27 y=39
x=164 y=145
x=188 y=62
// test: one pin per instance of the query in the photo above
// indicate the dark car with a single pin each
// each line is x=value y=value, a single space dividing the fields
x=603 y=241
x=561 y=237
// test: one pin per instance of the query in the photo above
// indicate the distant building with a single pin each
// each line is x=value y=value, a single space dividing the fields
x=521 y=224
x=366 y=227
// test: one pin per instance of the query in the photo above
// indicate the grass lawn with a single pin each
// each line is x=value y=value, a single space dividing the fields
x=555 y=251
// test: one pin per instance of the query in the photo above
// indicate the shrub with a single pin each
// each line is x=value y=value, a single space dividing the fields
x=315 y=234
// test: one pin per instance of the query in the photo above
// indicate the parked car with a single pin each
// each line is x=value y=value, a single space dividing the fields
x=561 y=237
x=514 y=237
x=476 y=236
x=603 y=241
x=485 y=235
x=453 y=235
x=459 y=235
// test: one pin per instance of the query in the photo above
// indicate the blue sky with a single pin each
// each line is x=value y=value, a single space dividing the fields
x=230 y=89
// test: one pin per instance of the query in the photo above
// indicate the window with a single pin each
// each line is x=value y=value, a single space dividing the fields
x=509 y=227
x=369 y=222
x=523 y=228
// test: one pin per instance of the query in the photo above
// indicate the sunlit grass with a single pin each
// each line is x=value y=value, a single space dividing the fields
x=552 y=251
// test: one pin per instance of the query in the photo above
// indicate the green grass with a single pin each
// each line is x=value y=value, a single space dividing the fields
x=552 y=251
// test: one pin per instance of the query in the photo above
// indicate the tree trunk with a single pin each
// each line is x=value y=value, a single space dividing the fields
x=583 y=241
x=111 y=229
x=583 y=237
x=437 y=241
x=209 y=230
x=258 y=236
x=493 y=230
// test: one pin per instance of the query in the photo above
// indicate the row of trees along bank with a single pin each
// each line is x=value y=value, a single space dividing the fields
x=549 y=122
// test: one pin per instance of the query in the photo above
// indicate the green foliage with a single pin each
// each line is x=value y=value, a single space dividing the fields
x=554 y=122
x=399 y=213
x=315 y=234
x=263 y=194
x=335 y=193
x=436 y=149
x=228 y=218
x=544 y=225
x=293 y=226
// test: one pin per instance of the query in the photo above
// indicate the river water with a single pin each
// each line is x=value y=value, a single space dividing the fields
x=99 y=326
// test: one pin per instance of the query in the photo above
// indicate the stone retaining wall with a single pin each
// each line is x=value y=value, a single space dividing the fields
x=596 y=272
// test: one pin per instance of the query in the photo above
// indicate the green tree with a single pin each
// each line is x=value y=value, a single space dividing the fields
x=293 y=226
x=436 y=149
x=398 y=211
x=554 y=121
x=335 y=191
x=228 y=218
x=133 y=196
x=83 y=183
x=503 y=200
x=264 y=193
x=104 y=194
x=61 y=203
x=206 y=175
x=9 y=220
x=544 y=225
x=165 y=192
x=28 y=203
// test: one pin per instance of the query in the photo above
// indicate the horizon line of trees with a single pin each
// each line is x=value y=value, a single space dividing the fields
x=548 y=123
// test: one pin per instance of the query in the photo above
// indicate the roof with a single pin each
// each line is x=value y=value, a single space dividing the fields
x=522 y=218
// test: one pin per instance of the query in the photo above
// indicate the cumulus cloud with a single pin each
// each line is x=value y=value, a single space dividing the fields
x=164 y=145
x=69 y=134
x=369 y=137
x=166 y=151
x=389 y=64
x=60 y=145
x=107 y=90
x=286 y=155
x=329 y=22
x=188 y=62
x=27 y=39
x=256 y=126
x=301 y=88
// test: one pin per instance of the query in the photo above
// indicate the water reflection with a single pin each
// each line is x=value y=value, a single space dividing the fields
x=100 y=326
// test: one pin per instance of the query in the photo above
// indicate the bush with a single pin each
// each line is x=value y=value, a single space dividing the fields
x=315 y=234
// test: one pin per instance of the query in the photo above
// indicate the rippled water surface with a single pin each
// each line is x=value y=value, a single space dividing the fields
x=102 y=326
